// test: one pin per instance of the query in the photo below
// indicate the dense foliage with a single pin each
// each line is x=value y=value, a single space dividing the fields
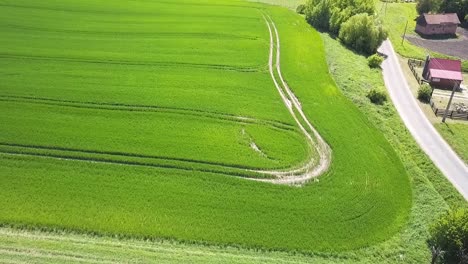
x=301 y=9
x=374 y=61
x=362 y=34
x=318 y=13
x=449 y=237
x=425 y=93
x=377 y=96
x=444 y=6
x=352 y=21
x=426 y=6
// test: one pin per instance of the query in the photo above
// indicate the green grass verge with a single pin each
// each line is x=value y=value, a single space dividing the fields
x=364 y=199
x=457 y=136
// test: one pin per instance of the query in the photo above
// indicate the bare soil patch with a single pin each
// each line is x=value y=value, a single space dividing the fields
x=452 y=47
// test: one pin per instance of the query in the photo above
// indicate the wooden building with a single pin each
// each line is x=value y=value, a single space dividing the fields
x=443 y=73
x=437 y=24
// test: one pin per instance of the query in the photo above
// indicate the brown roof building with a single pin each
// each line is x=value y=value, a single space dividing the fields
x=443 y=73
x=437 y=24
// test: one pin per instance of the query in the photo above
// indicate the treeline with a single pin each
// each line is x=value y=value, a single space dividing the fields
x=444 y=6
x=353 y=21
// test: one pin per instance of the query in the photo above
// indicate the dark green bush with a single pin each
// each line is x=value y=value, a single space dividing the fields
x=449 y=238
x=377 y=96
x=425 y=93
x=301 y=9
x=374 y=61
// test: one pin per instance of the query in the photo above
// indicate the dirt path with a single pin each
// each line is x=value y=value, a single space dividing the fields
x=312 y=168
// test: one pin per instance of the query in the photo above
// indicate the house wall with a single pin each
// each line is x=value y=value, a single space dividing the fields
x=421 y=29
x=443 y=83
x=437 y=29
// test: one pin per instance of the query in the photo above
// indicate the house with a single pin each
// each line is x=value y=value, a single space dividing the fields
x=437 y=24
x=443 y=73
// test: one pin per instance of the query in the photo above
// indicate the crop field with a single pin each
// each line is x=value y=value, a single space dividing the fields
x=135 y=118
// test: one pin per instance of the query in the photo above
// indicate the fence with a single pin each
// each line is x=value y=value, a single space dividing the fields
x=412 y=63
x=453 y=114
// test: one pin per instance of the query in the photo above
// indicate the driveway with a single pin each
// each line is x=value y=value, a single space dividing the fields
x=422 y=130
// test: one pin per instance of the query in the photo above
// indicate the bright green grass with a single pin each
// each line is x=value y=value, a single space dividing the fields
x=457 y=136
x=101 y=54
x=291 y=4
x=364 y=198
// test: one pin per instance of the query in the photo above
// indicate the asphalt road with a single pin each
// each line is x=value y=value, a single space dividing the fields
x=422 y=130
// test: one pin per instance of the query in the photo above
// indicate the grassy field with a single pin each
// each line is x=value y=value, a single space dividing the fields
x=161 y=93
x=431 y=196
x=457 y=136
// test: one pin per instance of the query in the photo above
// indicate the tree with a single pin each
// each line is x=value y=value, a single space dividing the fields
x=301 y=9
x=455 y=6
x=426 y=6
x=342 y=10
x=362 y=33
x=449 y=235
x=318 y=13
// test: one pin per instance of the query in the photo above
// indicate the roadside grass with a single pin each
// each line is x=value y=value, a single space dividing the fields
x=432 y=192
x=457 y=136
x=364 y=199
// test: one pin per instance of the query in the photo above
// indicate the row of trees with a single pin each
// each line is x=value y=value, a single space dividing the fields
x=444 y=6
x=352 y=21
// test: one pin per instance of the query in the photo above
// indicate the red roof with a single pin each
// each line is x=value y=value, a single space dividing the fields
x=445 y=69
x=436 y=19
x=448 y=75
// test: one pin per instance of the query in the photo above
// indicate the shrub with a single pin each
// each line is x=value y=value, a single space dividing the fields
x=301 y=9
x=377 y=96
x=375 y=61
x=449 y=237
x=362 y=33
x=425 y=93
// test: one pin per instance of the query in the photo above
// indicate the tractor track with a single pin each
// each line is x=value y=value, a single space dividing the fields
x=295 y=176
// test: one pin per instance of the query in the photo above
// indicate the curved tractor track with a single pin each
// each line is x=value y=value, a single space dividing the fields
x=294 y=176
x=312 y=168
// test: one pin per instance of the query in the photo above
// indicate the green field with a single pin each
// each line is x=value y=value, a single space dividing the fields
x=130 y=118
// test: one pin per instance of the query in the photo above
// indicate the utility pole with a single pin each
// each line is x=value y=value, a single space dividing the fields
x=404 y=33
x=450 y=101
